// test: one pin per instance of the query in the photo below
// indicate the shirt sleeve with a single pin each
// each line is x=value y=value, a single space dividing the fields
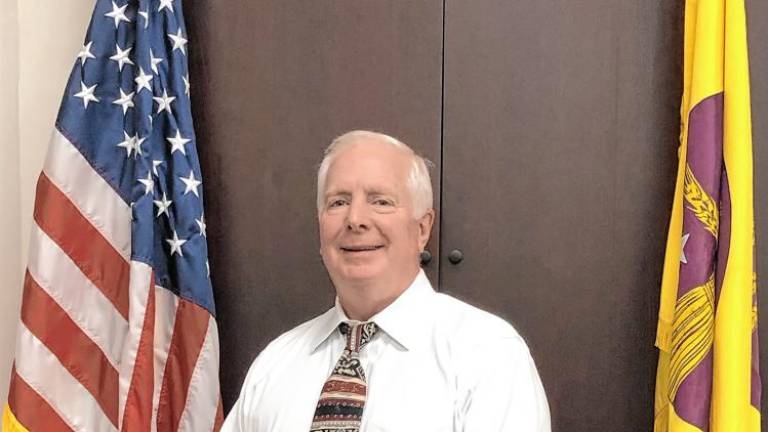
x=240 y=417
x=236 y=419
x=503 y=390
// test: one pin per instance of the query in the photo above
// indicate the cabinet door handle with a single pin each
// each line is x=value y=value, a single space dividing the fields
x=455 y=256
x=425 y=257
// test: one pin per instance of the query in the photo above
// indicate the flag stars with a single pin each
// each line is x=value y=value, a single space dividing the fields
x=166 y=4
x=145 y=14
x=186 y=84
x=121 y=57
x=163 y=205
x=155 y=61
x=177 y=143
x=201 y=224
x=127 y=143
x=125 y=101
x=86 y=94
x=176 y=244
x=683 y=241
x=191 y=184
x=179 y=43
x=149 y=184
x=142 y=81
x=85 y=53
x=164 y=102
x=137 y=142
x=118 y=14
x=155 y=164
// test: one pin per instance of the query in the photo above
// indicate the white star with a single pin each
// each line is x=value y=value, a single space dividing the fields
x=127 y=143
x=137 y=144
x=186 y=84
x=121 y=57
x=145 y=15
x=86 y=53
x=201 y=224
x=150 y=119
x=208 y=268
x=166 y=4
x=149 y=184
x=176 y=243
x=155 y=164
x=191 y=184
x=118 y=14
x=178 y=41
x=177 y=143
x=125 y=101
x=142 y=81
x=162 y=205
x=154 y=60
x=164 y=102
x=86 y=93
x=683 y=258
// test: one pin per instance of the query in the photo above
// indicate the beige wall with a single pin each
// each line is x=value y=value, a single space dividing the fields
x=32 y=76
x=10 y=240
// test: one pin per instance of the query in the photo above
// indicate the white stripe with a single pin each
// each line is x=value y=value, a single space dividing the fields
x=85 y=304
x=36 y=365
x=141 y=275
x=203 y=397
x=89 y=192
x=165 y=318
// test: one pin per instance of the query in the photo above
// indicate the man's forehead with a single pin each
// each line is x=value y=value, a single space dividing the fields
x=369 y=162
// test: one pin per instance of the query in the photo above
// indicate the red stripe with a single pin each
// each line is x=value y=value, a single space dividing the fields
x=138 y=406
x=90 y=251
x=219 y=417
x=75 y=350
x=189 y=333
x=31 y=410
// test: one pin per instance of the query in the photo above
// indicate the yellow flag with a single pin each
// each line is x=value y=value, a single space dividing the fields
x=708 y=377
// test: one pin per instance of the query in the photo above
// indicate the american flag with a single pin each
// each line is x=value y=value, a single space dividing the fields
x=117 y=326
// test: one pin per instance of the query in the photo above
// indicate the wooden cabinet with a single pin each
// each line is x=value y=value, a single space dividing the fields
x=553 y=127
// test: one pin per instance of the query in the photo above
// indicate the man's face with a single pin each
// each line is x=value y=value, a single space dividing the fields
x=367 y=229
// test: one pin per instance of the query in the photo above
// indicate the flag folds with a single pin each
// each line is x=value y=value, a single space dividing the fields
x=117 y=326
x=708 y=377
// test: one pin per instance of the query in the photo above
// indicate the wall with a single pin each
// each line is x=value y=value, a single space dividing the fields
x=10 y=240
x=34 y=70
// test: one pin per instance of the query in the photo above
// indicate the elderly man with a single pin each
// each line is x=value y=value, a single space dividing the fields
x=392 y=354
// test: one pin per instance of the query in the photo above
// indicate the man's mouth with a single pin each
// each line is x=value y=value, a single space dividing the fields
x=361 y=248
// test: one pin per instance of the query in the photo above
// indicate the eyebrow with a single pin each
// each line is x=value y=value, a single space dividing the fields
x=343 y=192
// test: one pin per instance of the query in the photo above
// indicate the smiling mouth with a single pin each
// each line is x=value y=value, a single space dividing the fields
x=361 y=248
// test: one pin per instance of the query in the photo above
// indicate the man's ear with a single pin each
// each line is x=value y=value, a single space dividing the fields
x=425 y=227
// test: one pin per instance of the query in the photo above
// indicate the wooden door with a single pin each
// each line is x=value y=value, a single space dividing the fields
x=273 y=82
x=559 y=158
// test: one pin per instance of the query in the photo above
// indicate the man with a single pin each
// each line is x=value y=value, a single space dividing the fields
x=392 y=354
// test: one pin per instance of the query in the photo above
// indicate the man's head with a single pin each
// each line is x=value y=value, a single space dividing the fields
x=375 y=213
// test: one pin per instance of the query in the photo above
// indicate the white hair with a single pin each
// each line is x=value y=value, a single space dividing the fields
x=418 y=183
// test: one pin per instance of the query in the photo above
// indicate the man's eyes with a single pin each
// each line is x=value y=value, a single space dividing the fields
x=378 y=202
x=336 y=203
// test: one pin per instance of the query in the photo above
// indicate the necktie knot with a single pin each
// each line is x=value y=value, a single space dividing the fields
x=358 y=333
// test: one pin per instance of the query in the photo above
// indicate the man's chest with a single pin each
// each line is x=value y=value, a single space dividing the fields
x=404 y=393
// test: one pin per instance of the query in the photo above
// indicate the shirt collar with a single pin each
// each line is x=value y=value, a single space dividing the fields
x=402 y=320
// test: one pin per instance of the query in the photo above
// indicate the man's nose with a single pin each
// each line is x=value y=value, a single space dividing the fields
x=357 y=216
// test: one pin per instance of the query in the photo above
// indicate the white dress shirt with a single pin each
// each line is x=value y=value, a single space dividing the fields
x=436 y=364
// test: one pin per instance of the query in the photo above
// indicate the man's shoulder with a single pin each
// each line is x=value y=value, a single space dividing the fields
x=467 y=324
x=294 y=342
x=299 y=337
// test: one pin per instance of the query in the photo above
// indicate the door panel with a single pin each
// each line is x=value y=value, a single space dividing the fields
x=272 y=84
x=559 y=156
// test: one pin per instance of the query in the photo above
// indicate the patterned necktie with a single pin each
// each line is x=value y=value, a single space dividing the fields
x=342 y=400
